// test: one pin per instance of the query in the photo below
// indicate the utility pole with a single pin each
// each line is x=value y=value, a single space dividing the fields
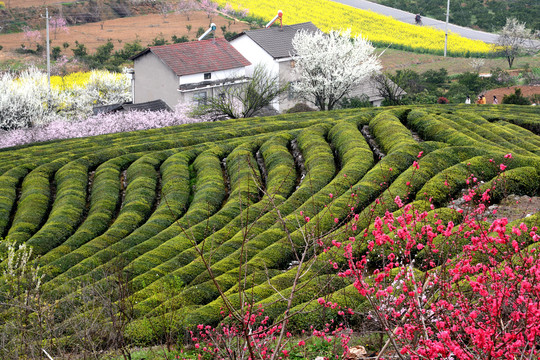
x=446 y=31
x=48 y=49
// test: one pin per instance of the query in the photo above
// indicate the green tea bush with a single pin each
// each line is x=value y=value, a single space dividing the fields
x=246 y=199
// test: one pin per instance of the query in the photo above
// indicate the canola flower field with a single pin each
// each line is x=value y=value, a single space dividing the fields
x=82 y=79
x=379 y=29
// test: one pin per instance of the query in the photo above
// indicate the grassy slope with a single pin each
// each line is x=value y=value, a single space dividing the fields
x=393 y=60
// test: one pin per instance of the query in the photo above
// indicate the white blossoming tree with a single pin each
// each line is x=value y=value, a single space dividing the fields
x=25 y=100
x=514 y=40
x=328 y=66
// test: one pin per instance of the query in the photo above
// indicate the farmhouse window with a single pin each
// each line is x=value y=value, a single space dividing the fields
x=200 y=98
x=207 y=76
x=291 y=94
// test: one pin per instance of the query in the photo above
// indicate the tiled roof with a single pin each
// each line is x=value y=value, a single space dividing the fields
x=154 y=105
x=277 y=41
x=198 y=56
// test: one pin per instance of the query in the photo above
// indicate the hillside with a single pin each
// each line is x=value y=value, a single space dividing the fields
x=484 y=15
x=147 y=204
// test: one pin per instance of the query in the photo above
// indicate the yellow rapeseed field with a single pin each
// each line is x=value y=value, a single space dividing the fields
x=81 y=79
x=68 y=82
x=379 y=29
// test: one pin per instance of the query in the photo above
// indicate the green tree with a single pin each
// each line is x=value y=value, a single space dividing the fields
x=516 y=98
x=245 y=99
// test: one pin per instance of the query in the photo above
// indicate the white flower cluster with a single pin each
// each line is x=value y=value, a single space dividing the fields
x=25 y=100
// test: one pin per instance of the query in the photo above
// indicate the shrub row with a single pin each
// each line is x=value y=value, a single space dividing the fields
x=175 y=191
x=500 y=130
x=320 y=167
x=280 y=183
x=279 y=163
x=450 y=181
x=9 y=183
x=273 y=303
x=356 y=159
x=279 y=254
x=197 y=222
x=140 y=195
x=219 y=193
x=411 y=181
x=389 y=132
x=432 y=127
x=474 y=123
x=33 y=206
x=161 y=139
x=67 y=210
x=353 y=153
x=104 y=198
x=311 y=141
x=519 y=181
x=519 y=132
x=524 y=116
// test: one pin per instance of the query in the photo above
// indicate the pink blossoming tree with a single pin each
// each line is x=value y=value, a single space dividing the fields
x=450 y=291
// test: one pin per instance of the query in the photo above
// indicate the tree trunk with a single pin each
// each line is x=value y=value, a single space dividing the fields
x=510 y=61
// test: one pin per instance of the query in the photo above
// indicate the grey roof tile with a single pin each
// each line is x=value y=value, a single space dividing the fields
x=277 y=41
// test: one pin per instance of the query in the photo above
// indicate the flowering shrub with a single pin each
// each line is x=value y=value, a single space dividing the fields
x=442 y=100
x=473 y=294
x=256 y=338
x=32 y=36
x=57 y=24
x=26 y=101
x=379 y=29
x=228 y=9
x=98 y=125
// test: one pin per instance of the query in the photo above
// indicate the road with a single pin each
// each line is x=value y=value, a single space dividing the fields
x=408 y=17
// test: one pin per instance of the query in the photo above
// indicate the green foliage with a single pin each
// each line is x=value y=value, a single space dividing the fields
x=55 y=52
x=473 y=82
x=300 y=107
x=389 y=131
x=129 y=50
x=516 y=98
x=177 y=40
x=159 y=41
x=355 y=102
x=79 y=51
x=228 y=35
x=200 y=31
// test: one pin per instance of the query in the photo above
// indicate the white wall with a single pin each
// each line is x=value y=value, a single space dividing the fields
x=216 y=75
x=187 y=96
x=154 y=81
x=286 y=75
x=255 y=54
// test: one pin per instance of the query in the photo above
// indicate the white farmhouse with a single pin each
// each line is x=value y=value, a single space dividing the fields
x=272 y=47
x=186 y=72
